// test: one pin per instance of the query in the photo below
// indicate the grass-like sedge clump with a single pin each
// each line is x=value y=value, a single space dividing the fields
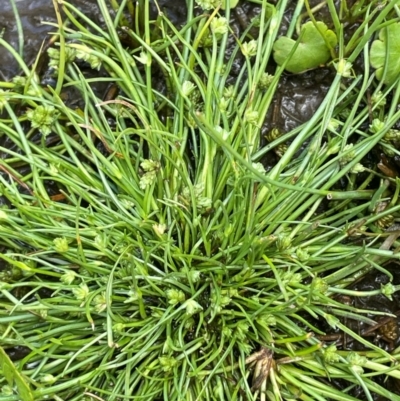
x=167 y=263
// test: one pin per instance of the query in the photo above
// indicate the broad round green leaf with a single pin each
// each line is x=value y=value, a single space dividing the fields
x=386 y=49
x=231 y=3
x=312 y=50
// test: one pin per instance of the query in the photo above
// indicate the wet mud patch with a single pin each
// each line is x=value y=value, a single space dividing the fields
x=34 y=15
x=298 y=97
x=383 y=330
x=296 y=100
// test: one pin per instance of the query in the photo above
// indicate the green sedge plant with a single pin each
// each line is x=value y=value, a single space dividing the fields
x=147 y=252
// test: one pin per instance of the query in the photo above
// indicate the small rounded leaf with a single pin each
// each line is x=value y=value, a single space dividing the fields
x=386 y=50
x=229 y=3
x=312 y=50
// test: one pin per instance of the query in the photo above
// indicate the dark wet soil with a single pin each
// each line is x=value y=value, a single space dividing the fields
x=385 y=333
x=34 y=15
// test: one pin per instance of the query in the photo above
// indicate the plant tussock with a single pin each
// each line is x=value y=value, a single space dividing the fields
x=146 y=251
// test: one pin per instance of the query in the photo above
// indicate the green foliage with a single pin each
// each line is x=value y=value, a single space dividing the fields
x=312 y=50
x=42 y=117
x=165 y=259
x=232 y=4
x=14 y=377
x=210 y=4
x=385 y=54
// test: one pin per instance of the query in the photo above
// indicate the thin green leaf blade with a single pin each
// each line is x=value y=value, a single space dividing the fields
x=14 y=377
